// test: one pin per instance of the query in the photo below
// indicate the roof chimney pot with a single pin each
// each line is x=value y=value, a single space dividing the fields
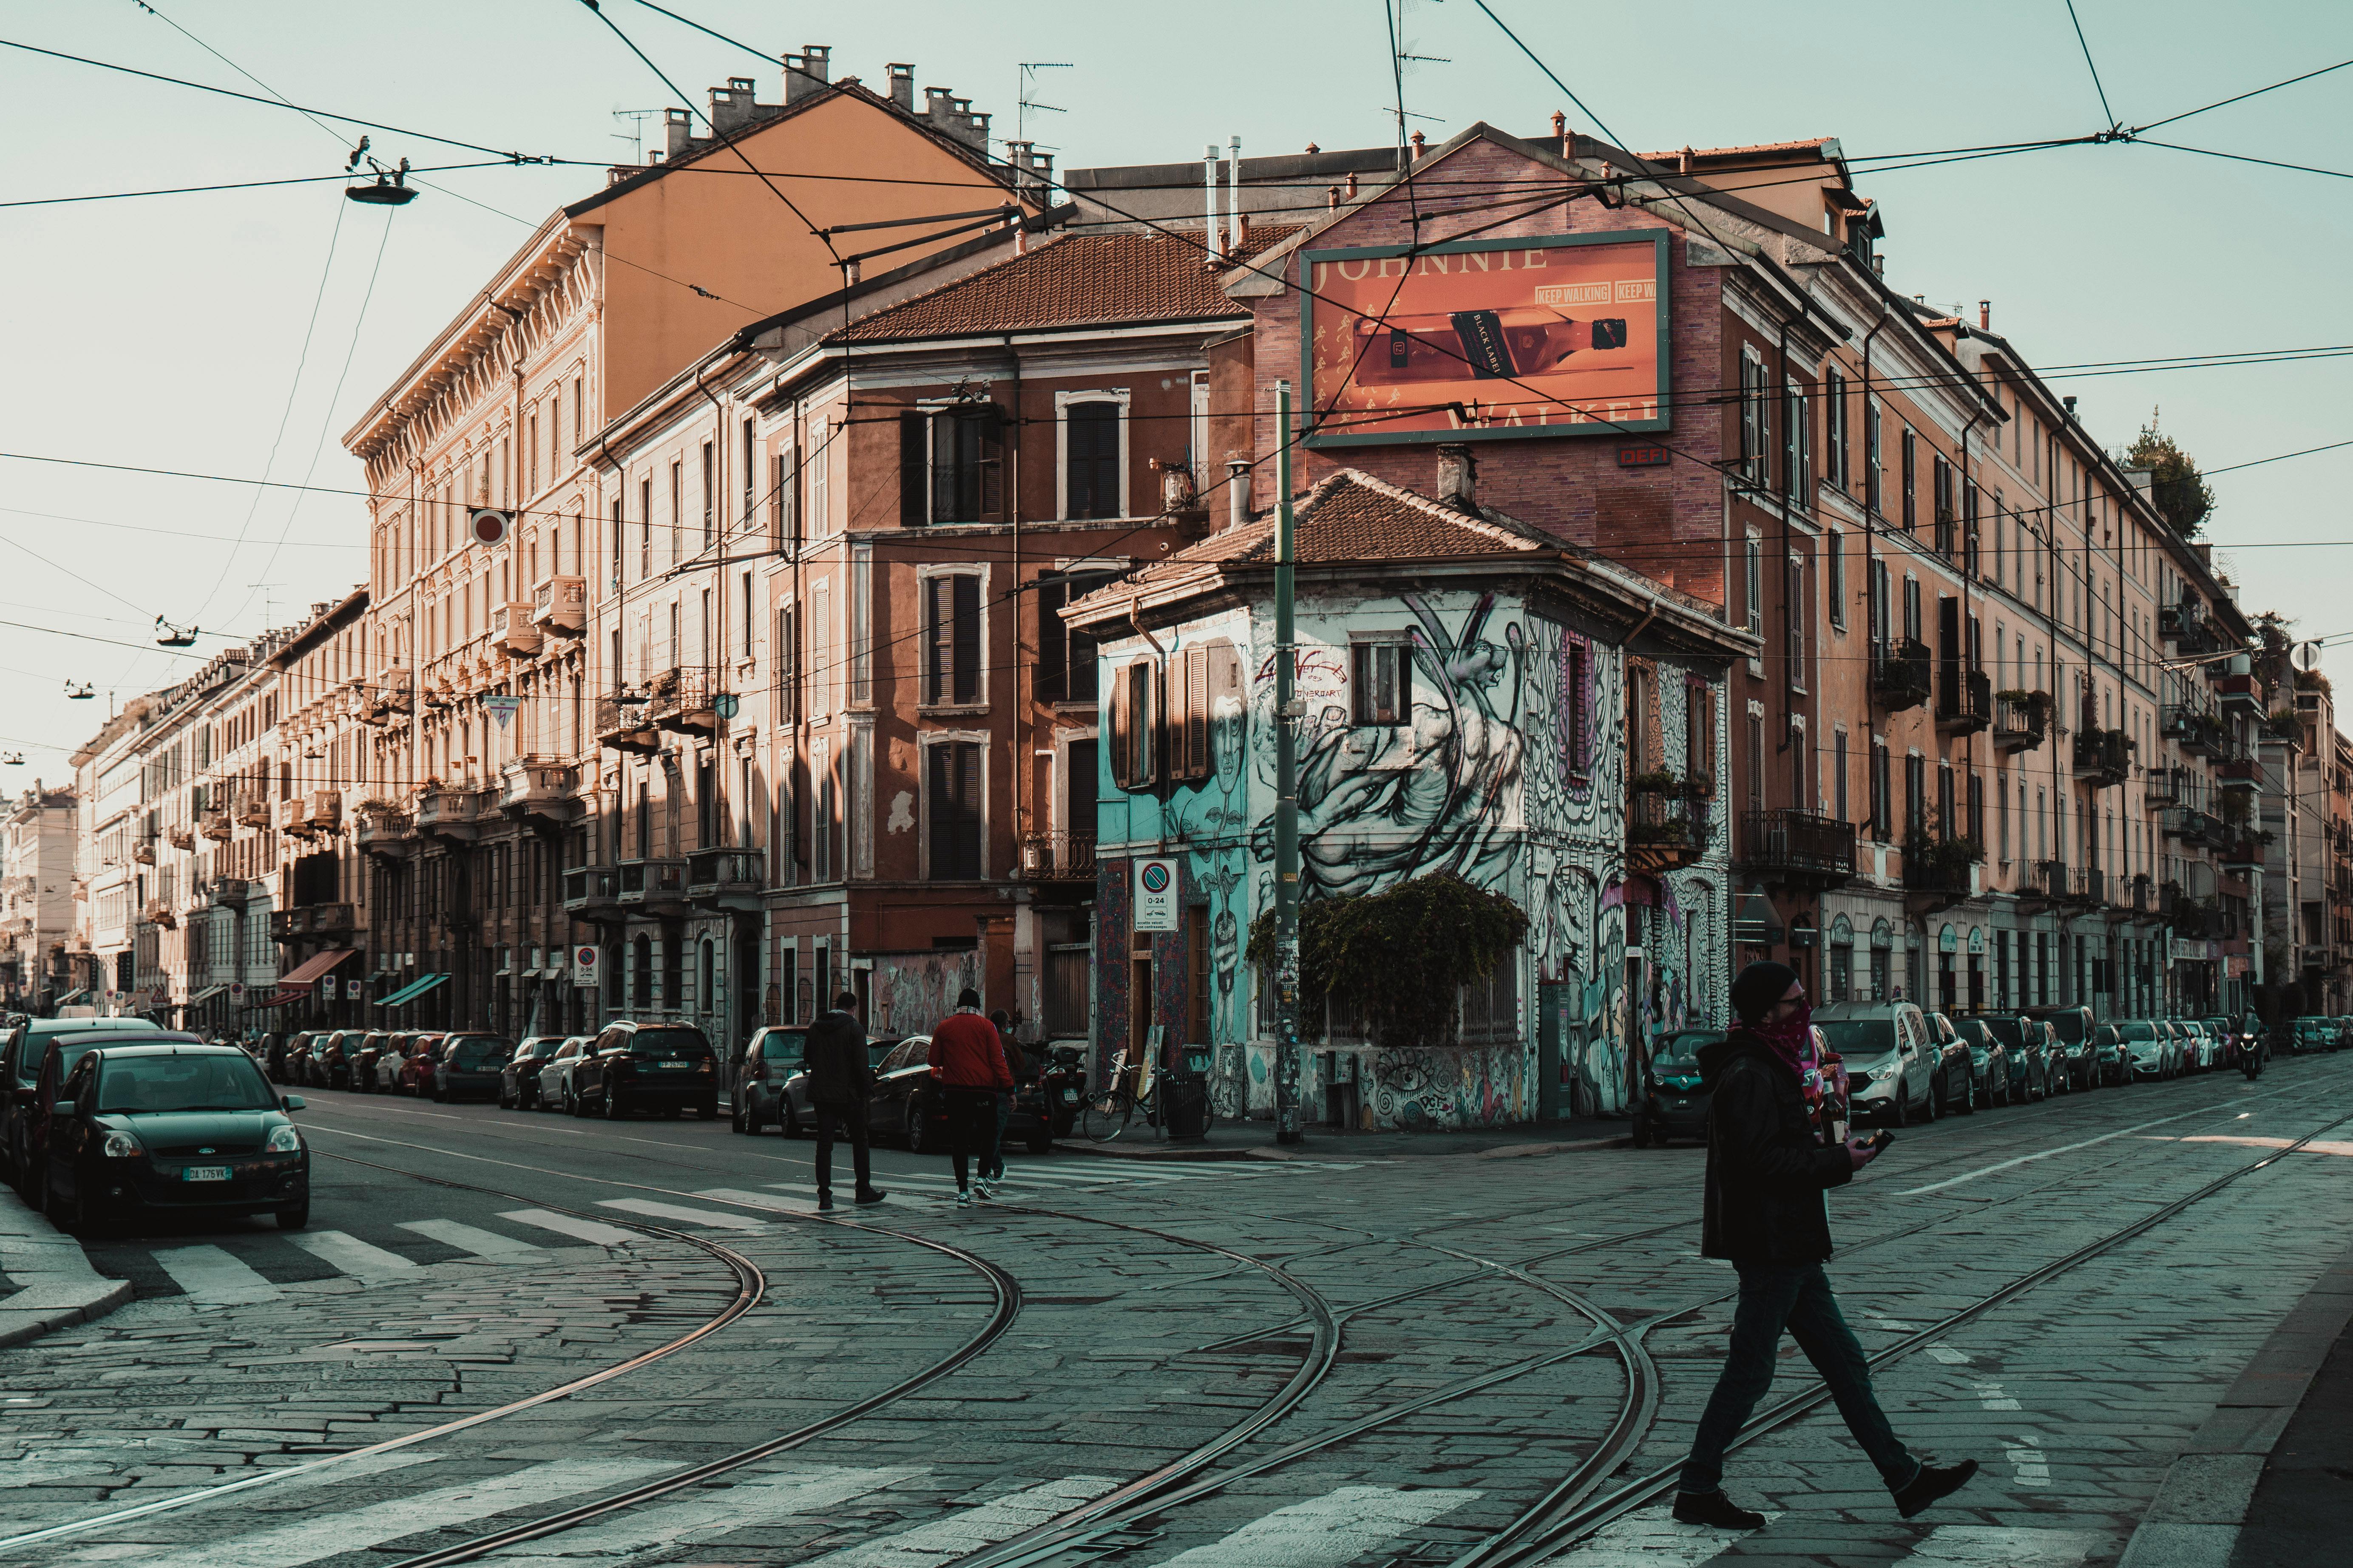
x=1458 y=476
x=1985 y=314
x=807 y=72
x=903 y=86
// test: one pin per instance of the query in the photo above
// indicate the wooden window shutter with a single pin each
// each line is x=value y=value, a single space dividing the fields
x=965 y=594
x=1192 y=709
x=1053 y=683
x=1121 y=724
x=913 y=501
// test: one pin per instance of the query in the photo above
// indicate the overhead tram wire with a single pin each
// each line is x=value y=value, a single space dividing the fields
x=2240 y=98
x=2105 y=113
x=229 y=185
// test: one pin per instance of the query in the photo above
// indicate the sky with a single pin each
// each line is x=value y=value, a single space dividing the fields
x=240 y=334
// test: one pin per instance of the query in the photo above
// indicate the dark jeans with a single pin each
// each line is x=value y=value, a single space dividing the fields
x=851 y=1120
x=992 y=1167
x=972 y=1118
x=1800 y=1299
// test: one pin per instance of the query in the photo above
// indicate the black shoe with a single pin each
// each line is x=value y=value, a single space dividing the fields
x=1715 y=1508
x=872 y=1195
x=1933 y=1482
x=824 y=1203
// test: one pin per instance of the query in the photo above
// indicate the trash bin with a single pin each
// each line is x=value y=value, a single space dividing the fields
x=1185 y=1100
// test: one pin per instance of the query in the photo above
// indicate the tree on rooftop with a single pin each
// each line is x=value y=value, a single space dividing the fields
x=2176 y=489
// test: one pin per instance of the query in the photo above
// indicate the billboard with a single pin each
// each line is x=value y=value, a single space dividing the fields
x=1485 y=339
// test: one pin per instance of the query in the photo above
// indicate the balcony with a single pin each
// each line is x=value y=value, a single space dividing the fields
x=540 y=790
x=2102 y=757
x=559 y=605
x=2044 y=883
x=684 y=700
x=1797 y=848
x=2165 y=786
x=293 y=819
x=449 y=812
x=2186 y=626
x=1941 y=868
x=1056 y=857
x=1665 y=829
x=251 y=811
x=2237 y=770
x=2087 y=886
x=390 y=689
x=2134 y=896
x=2199 y=731
x=513 y=632
x=2242 y=690
x=726 y=878
x=311 y=920
x=230 y=892
x=623 y=724
x=654 y=886
x=1899 y=673
x=592 y=893
x=2020 y=719
x=1964 y=700
x=215 y=825
x=142 y=853
x=391 y=834
x=2195 y=917
x=180 y=836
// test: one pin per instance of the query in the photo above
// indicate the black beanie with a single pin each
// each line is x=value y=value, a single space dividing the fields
x=1760 y=986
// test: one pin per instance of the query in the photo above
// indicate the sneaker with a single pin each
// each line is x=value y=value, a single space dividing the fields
x=871 y=1195
x=1715 y=1509
x=964 y=1198
x=824 y=1203
x=985 y=1188
x=1931 y=1482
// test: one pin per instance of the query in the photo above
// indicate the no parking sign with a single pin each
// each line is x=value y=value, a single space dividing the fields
x=584 y=966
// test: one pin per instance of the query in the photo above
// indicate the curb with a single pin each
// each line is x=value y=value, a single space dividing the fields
x=1323 y=1149
x=19 y=1326
x=56 y=1286
x=2193 y=1520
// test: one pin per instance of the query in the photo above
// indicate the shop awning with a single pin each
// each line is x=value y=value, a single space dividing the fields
x=206 y=994
x=311 y=968
x=70 y=997
x=411 y=993
x=280 y=998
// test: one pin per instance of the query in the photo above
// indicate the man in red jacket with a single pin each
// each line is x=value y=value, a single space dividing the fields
x=967 y=1073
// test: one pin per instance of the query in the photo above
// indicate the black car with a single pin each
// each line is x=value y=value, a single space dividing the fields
x=2029 y=1065
x=770 y=1084
x=143 y=1130
x=1674 y=1105
x=2072 y=1055
x=519 y=1077
x=1990 y=1076
x=47 y=1049
x=641 y=1066
x=471 y=1067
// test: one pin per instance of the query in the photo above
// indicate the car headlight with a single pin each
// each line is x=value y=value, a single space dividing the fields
x=284 y=1140
x=123 y=1146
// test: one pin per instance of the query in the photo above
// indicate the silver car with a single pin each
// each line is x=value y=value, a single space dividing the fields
x=555 y=1078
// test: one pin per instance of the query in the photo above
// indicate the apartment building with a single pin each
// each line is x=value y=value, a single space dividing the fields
x=37 y=901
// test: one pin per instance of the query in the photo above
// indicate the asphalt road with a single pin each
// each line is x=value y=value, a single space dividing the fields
x=1318 y=1364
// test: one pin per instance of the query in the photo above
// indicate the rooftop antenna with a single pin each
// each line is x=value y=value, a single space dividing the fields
x=266 y=618
x=1024 y=102
x=635 y=134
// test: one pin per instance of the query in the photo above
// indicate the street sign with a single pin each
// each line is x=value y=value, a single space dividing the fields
x=1155 y=895
x=584 y=966
x=500 y=708
x=352 y=989
x=490 y=524
x=236 y=992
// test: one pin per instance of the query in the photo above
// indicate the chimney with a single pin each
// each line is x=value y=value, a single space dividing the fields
x=902 y=87
x=1560 y=134
x=1414 y=153
x=1237 y=486
x=1332 y=198
x=1212 y=243
x=1351 y=192
x=1239 y=224
x=2070 y=401
x=1985 y=315
x=952 y=117
x=734 y=105
x=678 y=129
x=1458 y=476
x=808 y=71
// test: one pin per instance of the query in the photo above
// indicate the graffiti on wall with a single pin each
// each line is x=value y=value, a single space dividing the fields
x=914 y=991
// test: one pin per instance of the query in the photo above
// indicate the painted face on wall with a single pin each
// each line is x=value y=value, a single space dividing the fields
x=1229 y=742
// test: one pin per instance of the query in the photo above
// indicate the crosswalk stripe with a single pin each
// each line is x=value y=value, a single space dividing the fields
x=2008 y=1546
x=717 y=1218
x=213 y=1278
x=592 y=1231
x=795 y=1202
x=332 y=1534
x=1327 y=1532
x=1650 y=1539
x=999 y=1519
x=746 y=1505
x=360 y=1259
x=472 y=1238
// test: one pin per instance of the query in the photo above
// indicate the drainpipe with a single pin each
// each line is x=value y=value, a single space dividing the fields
x=1023 y=761
x=1159 y=763
x=1869 y=515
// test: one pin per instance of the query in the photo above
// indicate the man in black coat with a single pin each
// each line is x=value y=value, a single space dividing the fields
x=1767 y=1171
x=839 y=1083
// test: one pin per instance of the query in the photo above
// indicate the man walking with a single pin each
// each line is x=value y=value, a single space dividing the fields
x=968 y=1072
x=1766 y=1171
x=839 y=1083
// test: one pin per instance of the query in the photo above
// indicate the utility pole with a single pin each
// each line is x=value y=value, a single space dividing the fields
x=1286 y=797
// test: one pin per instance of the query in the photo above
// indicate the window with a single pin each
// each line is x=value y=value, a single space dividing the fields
x=1066 y=655
x=1577 y=729
x=784 y=516
x=788 y=665
x=1756 y=759
x=579 y=408
x=1915 y=793
x=1797 y=440
x=710 y=492
x=747 y=614
x=1133 y=724
x=952 y=639
x=1912 y=609
x=1752 y=416
x=1874 y=473
x=1091 y=466
x=1910 y=456
x=1947 y=825
x=1941 y=478
x=751 y=466
x=677 y=507
x=950 y=465
x=1880 y=804
x=617 y=542
x=1753 y=583
x=534 y=453
x=1834 y=564
x=1380 y=682
x=645 y=529
x=1969 y=551
x=952 y=804
x=1699 y=734
x=820 y=465
x=1795 y=612
x=827 y=813
x=1199 y=679
x=1837 y=783
x=1834 y=454
x=2001 y=817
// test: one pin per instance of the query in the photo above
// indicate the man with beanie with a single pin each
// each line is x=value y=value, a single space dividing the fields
x=1766 y=1171
x=968 y=1072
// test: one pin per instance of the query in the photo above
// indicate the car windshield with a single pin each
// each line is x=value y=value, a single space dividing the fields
x=2136 y=1031
x=140 y=1085
x=2068 y=1026
x=2003 y=1029
x=1680 y=1053
x=28 y=1056
x=783 y=1046
x=1858 y=1036
x=669 y=1043
x=479 y=1051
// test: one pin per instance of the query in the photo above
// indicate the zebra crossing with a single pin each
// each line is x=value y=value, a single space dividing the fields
x=1330 y=1531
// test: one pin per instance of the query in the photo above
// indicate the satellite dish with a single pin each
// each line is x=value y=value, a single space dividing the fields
x=2308 y=656
x=490 y=525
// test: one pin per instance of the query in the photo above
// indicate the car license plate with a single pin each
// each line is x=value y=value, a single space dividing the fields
x=673 y=1066
x=1069 y=1097
x=205 y=1174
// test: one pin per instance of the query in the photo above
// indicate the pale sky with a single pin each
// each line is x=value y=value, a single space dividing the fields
x=166 y=331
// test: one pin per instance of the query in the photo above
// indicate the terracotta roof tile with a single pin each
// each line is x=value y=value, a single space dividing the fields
x=1074 y=281
x=1806 y=144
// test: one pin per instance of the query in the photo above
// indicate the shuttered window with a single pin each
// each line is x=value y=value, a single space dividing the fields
x=951 y=639
x=1091 y=460
x=1381 y=682
x=1132 y=725
x=1066 y=657
x=952 y=787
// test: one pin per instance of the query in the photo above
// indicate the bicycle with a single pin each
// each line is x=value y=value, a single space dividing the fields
x=1107 y=1114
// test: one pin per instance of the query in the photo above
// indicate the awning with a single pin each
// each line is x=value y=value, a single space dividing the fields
x=70 y=997
x=280 y=998
x=206 y=994
x=311 y=968
x=411 y=993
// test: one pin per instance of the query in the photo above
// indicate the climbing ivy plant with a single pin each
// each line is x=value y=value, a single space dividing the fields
x=1402 y=955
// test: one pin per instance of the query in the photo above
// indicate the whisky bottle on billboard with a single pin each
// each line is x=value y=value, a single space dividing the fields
x=1478 y=345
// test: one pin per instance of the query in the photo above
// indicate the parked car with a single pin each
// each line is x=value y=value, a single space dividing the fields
x=2313 y=1033
x=150 y=1129
x=2139 y=1049
x=2071 y=1039
x=469 y=1067
x=904 y=1104
x=2196 y=1046
x=555 y=1078
x=386 y=1069
x=21 y=1056
x=519 y=1074
x=1672 y=1104
x=2028 y=1059
x=1890 y=1064
x=636 y=1067
x=770 y=1085
x=331 y=1061
x=416 y=1073
x=1989 y=1071
x=362 y=1060
x=59 y=1049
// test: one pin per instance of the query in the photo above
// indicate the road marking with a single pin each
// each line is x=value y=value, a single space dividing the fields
x=595 y=1232
x=2025 y=1456
x=360 y=1259
x=999 y=1519
x=334 y=1533
x=793 y=1203
x=745 y=1505
x=212 y=1277
x=1948 y=1355
x=2318 y=1146
x=1651 y=1538
x=2008 y=1546
x=1327 y=1532
x=1991 y=1395
x=717 y=1218
x=481 y=1242
x=2047 y=1153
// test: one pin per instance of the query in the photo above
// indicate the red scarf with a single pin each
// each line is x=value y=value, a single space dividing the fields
x=1790 y=1039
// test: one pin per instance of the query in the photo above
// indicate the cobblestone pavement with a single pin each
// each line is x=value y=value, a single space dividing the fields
x=1318 y=1364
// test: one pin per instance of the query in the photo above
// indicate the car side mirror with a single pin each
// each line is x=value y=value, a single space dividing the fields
x=292 y=1101
x=61 y=1108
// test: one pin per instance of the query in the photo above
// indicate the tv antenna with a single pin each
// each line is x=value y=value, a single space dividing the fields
x=635 y=134
x=266 y=617
x=1024 y=102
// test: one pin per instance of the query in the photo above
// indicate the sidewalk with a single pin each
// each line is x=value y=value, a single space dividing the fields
x=2267 y=1482
x=1254 y=1140
x=53 y=1282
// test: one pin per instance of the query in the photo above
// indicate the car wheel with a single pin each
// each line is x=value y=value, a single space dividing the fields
x=506 y=1101
x=917 y=1142
x=1899 y=1107
x=571 y=1106
x=1936 y=1099
x=788 y=1124
x=1968 y=1106
x=294 y=1217
x=614 y=1107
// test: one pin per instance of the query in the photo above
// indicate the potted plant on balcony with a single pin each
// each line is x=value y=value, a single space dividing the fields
x=1661 y=781
x=1933 y=862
